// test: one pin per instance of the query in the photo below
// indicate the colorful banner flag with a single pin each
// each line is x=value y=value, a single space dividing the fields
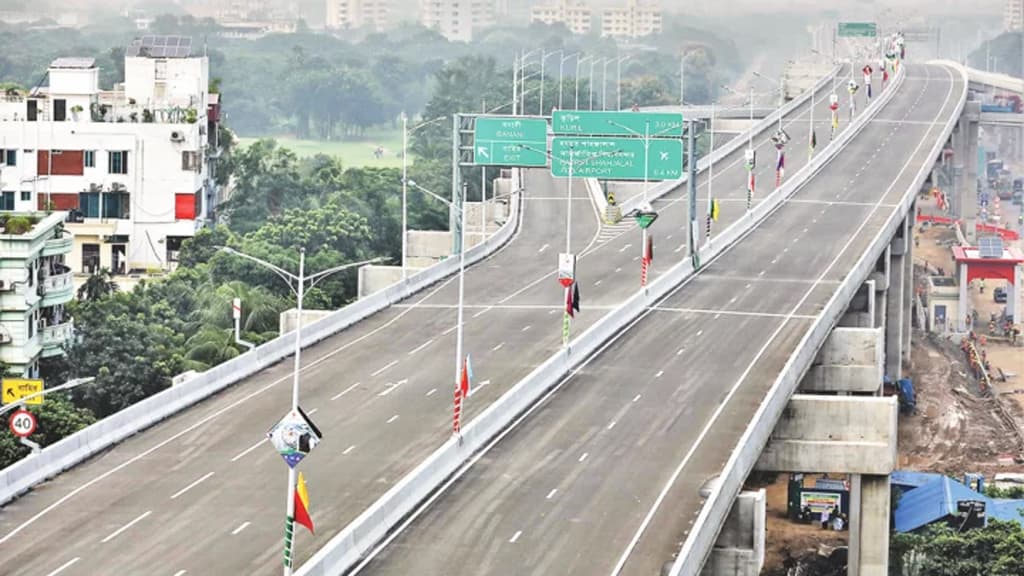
x=568 y=303
x=467 y=376
x=649 y=250
x=576 y=297
x=302 y=505
x=715 y=209
x=814 y=139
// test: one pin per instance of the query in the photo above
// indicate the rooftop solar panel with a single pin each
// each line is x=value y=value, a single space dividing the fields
x=161 y=46
x=990 y=247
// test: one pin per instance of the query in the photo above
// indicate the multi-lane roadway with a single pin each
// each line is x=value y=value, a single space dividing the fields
x=203 y=493
x=604 y=476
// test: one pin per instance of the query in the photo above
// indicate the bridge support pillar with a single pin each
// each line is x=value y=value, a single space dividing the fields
x=861 y=311
x=869 y=526
x=849 y=362
x=739 y=550
x=967 y=158
x=908 y=286
x=894 y=302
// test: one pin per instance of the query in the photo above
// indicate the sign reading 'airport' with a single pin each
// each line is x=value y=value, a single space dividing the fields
x=639 y=124
x=505 y=141
x=858 y=30
x=617 y=158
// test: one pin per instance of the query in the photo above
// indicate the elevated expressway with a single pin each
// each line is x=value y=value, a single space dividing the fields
x=203 y=493
x=605 y=476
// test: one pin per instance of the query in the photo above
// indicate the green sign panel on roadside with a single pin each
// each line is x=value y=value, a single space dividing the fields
x=858 y=30
x=645 y=219
x=505 y=141
x=587 y=123
x=616 y=158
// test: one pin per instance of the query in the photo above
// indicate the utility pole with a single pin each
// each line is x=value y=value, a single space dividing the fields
x=691 y=188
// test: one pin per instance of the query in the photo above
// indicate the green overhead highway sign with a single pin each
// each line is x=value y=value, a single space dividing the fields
x=657 y=124
x=616 y=158
x=858 y=30
x=505 y=141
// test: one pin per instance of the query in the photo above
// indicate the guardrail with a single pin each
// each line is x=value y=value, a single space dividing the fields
x=697 y=546
x=357 y=540
x=69 y=451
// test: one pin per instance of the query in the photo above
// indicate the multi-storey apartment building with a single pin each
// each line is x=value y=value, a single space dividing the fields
x=35 y=284
x=637 y=19
x=574 y=14
x=1013 y=15
x=457 y=20
x=133 y=166
x=349 y=14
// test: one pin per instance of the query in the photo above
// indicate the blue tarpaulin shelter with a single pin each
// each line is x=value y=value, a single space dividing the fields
x=935 y=499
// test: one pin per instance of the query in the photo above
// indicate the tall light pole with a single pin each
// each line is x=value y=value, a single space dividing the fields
x=590 y=79
x=543 y=59
x=579 y=61
x=299 y=289
x=604 y=83
x=618 y=82
x=561 y=66
x=405 y=172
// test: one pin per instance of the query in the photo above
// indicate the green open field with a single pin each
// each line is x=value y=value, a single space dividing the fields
x=352 y=152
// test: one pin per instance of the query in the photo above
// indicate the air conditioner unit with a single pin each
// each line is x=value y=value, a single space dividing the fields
x=5 y=338
x=177 y=136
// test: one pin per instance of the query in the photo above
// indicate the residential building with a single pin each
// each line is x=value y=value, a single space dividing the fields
x=134 y=166
x=457 y=20
x=349 y=14
x=1013 y=15
x=35 y=284
x=637 y=19
x=573 y=13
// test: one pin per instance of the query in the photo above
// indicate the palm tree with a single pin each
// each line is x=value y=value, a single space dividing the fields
x=98 y=286
x=211 y=346
x=260 y=308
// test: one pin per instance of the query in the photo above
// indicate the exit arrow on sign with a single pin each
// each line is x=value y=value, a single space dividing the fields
x=482 y=152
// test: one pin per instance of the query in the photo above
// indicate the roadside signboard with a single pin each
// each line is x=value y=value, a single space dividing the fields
x=819 y=502
x=294 y=437
x=588 y=123
x=506 y=141
x=644 y=219
x=22 y=423
x=858 y=30
x=15 y=389
x=617 y=158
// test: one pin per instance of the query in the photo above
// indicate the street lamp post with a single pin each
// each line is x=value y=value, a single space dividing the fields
x=561 y=66
x=543 y=59
x=299 y=290
x=405 y=171
x=579 y=61
x=618 y=82
x=604 y=83
x=591 y=84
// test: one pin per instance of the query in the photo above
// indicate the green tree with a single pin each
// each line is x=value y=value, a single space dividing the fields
x=56 y=418
x=97 y=286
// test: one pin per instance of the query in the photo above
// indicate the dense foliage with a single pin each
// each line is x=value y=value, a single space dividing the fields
x=996 y=550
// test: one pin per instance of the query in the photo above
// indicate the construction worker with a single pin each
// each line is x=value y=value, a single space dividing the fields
x=981 y=286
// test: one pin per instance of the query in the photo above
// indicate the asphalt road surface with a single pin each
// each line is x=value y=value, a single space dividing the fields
x=204 y=493
x=604 y=476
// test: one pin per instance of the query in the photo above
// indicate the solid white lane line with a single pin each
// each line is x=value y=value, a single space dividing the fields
x=421 y=347
x=515 y=537
x=249 y=449
x=381 y=370
x=240 y=528
x=67 y=564
x=191 y=486
x=476 y=389
x=392 y=419
x=349 y=449
x=624 y=248
x=637 y=398
x=482 y=312
x=345 y=391
x=448 y=331
x=115 y=533
x=612 y=425
x=584 y=457
x=498 y=347
x=552 y=494
x=432 y=390
x=313 y=411
x=660 y=372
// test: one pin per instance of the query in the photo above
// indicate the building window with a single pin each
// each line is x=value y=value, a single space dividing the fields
x=9 y=157
x=89 y=204
x=7 y=200
x=89 y=159
x=60 y=110
x=117 y=161
x=115 y=205
x=90 y=258
x=190 y=161
x=26 y=195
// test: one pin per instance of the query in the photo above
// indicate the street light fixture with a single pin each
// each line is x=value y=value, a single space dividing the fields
x=579 y=61
x=561 y=65
x=543 y=59
x=618 y=82
x=405 y=169
x=299 y=290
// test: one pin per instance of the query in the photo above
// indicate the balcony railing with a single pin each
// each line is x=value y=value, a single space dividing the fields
x=57 y=334
x=57 y=283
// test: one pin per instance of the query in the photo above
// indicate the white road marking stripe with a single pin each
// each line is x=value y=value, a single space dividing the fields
x=421 y=347
x=598 y=283
x=733 y=313
x=115 y=533
x=612 y=425
x=181 y=573
x=345 y=391
x=543 y=248
x=552 y=494
x=191 y=486
x=660 y=372
x=67 y=564
x=240 y=528
x=624 y=248
x=515 y=537
x=525 y=328
x=498 y=347
x=432 y=390
x=584 y=457
x=448 y=331
x=618 y=269
x=313 y=411
x=482 y=312
x=381 y=370
x=349 y=449
x=636 y=398
x=249 y=449
x=392 y=419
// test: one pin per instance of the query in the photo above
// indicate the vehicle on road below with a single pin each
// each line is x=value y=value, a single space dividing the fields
x=999 y=295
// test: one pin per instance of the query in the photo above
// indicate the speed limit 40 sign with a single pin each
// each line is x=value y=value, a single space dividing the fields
x=22 y=423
